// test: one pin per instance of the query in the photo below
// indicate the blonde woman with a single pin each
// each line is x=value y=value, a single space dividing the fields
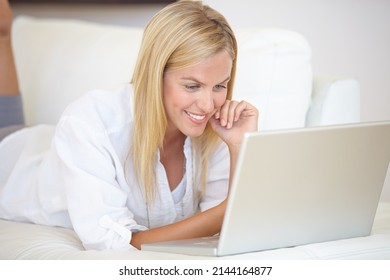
x=150 y=162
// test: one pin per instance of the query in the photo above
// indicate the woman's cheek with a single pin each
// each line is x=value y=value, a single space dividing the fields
x=219 y=100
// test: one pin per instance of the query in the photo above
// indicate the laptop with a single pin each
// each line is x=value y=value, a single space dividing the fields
x=297 y=187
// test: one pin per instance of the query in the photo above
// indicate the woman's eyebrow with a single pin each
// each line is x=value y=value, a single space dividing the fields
x=226 y=80
x=192 y=79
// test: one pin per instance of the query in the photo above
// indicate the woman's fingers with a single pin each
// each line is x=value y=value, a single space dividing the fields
x=232 y=111
x=226 y=114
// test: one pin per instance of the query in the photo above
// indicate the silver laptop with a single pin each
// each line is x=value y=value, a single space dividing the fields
x=297 y=187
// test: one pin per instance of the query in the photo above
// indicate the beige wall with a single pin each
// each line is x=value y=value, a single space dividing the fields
x=128 y=15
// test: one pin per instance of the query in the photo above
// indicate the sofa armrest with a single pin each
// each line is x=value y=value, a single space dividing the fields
x=334 y=101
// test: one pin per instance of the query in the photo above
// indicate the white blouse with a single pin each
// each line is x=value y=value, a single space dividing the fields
x=73 y=175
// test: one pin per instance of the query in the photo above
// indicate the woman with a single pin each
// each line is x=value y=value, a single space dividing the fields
x=134 y=166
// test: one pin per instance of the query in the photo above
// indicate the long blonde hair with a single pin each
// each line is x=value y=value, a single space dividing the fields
x=180 y=35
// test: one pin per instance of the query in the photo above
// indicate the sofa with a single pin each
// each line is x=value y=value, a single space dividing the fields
x=60 y=59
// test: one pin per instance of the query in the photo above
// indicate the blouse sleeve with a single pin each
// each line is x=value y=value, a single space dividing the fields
x=95 y=200
x=218 y=178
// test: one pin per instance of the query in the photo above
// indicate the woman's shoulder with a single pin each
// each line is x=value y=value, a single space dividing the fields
x=102 y=107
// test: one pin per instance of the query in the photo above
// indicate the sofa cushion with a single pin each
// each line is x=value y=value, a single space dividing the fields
x=274 y=73
x=58 y=60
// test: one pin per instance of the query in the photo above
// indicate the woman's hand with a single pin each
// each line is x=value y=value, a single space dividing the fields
x=233 y=120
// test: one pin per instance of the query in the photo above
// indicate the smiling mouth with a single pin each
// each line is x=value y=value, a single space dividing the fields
x=195 y=117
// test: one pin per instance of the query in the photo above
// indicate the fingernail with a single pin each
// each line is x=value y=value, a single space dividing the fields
x=229 y=125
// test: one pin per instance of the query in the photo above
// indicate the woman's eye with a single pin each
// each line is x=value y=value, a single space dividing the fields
x=220 y=87
x=191 y=87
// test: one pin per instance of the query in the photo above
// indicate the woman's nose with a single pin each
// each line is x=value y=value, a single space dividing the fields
x=205 y=101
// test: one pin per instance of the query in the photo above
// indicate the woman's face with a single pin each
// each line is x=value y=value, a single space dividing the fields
x=192 y=95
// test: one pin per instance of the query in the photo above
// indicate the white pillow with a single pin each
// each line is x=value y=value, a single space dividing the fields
x=334 y=101
x=58 y=60
x=274 y=73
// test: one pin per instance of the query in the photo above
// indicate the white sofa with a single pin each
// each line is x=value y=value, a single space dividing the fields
x=58 y=60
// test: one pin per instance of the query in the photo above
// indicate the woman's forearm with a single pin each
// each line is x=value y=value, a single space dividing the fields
x=206 y=223
x=233 y=152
